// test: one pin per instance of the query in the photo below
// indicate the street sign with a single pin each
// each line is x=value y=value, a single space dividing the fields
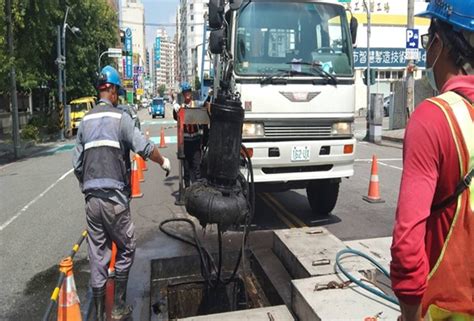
x=412 y=43
x=385 y=58
x=114 y=52
x=140 y=91
x=128 y=49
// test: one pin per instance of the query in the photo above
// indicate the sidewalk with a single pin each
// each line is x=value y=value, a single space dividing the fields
x=27 y=149
x=396 y=135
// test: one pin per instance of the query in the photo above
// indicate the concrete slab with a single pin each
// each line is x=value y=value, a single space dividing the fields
x=272 y=276
x=377 y=248
x=277 y=313
x=347 y=304
x=307 y=252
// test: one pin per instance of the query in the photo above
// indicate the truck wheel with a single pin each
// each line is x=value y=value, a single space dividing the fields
x=153 y=116
x=322 y=195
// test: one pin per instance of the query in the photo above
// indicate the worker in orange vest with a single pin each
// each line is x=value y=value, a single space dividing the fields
x=432 y=268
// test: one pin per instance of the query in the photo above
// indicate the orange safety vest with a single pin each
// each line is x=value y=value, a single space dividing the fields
x=450 y=291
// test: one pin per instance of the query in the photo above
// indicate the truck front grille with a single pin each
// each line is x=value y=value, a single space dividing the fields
x=294 y=131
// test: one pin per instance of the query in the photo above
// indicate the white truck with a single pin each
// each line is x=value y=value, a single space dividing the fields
x=292 y=64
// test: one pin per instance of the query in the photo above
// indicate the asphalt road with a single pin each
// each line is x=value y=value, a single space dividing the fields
x=42 y=216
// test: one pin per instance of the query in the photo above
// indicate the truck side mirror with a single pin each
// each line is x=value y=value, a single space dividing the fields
x=354 y=24
x=216 y=41
x=216 y=10
x=235 y=4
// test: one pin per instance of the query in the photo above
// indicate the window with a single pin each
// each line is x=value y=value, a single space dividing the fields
x=192 y=28
x=192 y=17
x=191 y=6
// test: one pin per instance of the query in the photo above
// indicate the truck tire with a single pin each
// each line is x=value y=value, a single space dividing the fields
x=322 y=195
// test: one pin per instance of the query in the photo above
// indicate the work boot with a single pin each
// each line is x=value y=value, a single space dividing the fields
x=120 y=310
x=99 y=302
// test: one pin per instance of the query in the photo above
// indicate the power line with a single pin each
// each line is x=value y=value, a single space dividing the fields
x=152 y=24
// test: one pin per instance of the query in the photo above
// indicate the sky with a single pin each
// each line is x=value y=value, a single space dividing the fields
x=159 y=11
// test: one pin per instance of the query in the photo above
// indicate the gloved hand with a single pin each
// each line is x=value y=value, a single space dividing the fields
x=166 y=166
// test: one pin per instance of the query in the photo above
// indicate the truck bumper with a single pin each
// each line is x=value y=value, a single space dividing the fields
x=327 y=160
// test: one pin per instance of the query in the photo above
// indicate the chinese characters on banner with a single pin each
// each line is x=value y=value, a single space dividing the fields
x=376 y=6
x=385 y=58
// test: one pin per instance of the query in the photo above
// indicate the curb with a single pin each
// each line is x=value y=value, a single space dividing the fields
x=392 y=139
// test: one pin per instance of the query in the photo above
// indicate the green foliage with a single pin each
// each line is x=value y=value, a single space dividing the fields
x=35 y=39
x=197 y=83
x=30 y=132
x=161 y=90
x=44 y=123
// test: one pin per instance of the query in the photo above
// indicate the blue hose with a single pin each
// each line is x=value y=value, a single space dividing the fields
x=358 y=282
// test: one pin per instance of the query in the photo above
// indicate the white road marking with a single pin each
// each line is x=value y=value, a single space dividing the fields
x=4 y=225
x=391 y=166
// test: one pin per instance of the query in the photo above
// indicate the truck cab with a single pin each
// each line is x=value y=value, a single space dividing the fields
x=79 y=108
x=293 y=68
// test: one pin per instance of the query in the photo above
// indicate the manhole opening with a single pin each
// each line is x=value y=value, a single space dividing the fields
x=179 y=291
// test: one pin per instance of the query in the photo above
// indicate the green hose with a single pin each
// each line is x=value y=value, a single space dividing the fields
x=358 y=282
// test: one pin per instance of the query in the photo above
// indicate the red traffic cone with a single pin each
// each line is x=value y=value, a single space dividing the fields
x=135 y=181
x=374 y=190
x=162 y=138
x=68 y=305
x=141 y=163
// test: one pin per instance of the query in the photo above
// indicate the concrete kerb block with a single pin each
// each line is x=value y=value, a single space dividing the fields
x=307 y=252
x=351 y=303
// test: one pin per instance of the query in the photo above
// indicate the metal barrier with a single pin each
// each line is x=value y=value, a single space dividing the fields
x=54 y=296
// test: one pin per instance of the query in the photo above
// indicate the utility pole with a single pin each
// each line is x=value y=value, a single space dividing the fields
x=410 y=81
x=63 y=42
x=367 y=9
x=14 y=99
x=203 y=55
x=60 y=63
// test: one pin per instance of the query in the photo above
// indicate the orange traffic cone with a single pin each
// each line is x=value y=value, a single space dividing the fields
x=374 y=190
x=162 y=138
x=112 y=260
x=141 y=178
x=135 y=181
x=68 y=304
x=141 y=163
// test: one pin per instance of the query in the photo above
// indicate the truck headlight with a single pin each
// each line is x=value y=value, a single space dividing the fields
x=341 y=129
x=252 y=130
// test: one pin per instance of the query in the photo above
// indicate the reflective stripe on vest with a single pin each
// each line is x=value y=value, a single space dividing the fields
x=101 y=143
x=450 y=291
x=102 y=115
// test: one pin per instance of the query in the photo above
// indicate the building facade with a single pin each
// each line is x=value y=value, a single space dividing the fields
x=164 y=62
x=133 y=17
x=190 y=31
x=387 y=43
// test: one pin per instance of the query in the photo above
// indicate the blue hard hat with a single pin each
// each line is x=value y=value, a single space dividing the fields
x=458 y=13
x=110 y=75
x=185 y=87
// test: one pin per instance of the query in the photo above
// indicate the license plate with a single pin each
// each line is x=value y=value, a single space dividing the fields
x=300 y=154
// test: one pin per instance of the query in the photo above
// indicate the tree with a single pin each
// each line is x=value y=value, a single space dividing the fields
x=161 y=90
x=35 y=43
x=197 y=83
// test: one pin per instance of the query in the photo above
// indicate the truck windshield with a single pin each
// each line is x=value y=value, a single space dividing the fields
x=271 y=34
x=157 y=102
